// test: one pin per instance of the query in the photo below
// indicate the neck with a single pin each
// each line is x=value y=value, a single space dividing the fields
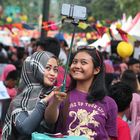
x=120 y=114
x=83 y=86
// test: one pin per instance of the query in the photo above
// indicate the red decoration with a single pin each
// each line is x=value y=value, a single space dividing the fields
x=123 y=34
x=49 y=26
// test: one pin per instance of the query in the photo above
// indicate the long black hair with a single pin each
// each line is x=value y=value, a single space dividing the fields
x=97 y=90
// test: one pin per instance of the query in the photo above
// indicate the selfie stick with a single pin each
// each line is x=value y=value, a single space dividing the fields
x=68 y=60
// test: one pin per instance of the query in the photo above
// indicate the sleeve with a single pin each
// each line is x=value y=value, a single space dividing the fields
x=26 y=123
x=111 y=122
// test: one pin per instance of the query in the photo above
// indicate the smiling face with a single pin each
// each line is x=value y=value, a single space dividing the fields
x=51 y=72
x=82 y=68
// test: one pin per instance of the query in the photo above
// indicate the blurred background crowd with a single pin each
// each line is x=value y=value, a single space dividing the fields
x=27 y=26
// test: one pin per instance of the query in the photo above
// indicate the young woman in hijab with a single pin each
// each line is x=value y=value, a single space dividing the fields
x=52 y=45
x=87 y=110
x=26 y=111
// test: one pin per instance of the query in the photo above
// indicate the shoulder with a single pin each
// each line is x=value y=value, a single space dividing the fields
x=1 y=82
x=121 y=122
x=135 y=103
x=123 y=127
x=28 y=59
x=110 y=103
x=109 y=100
x=136 y=97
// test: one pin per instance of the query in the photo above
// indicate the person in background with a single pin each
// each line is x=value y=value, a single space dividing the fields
x=87 y=110
x=123 y=67
x=134 y=65
x=7 y=91
x=6 y=70
x=31 y=47
x=10 y=83
x=49 y=44
x=133 y=113
x=130 y=78
x=3 y=54
x=63 y=48
x=10 y=80
x=108 y=63
x=26 y=111
x=133 y=116
x=21 y=55
x=111 y=78
x=13 y=58
x=122 y=94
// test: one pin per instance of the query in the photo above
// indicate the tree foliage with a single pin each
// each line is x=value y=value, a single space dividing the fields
x=30 y=8
x=108 y=9
x=130 y=7
x=105 y=9
x=99 y=9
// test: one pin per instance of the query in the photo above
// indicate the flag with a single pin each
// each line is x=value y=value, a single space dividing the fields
x=83 y=25
x=49 y=26
x=101 y=30
x=124 y=35
x=17 y=25
x=9 y=27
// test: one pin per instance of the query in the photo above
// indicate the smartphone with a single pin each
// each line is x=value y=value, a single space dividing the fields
x=52 y=89
x=74 y=11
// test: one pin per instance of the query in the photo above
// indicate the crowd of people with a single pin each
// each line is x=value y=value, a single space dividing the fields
x=101 y=100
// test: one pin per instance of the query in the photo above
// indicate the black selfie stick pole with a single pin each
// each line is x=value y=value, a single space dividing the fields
x=68 y=60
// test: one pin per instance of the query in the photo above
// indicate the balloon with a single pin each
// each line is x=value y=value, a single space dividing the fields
x=124 y=49
x=9 y=19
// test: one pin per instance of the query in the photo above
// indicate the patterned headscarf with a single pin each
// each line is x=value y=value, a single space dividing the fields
x=29 y=90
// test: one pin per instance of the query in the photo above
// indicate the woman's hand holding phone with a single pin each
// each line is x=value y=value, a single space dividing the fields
x=56 y=95
x=59 y=96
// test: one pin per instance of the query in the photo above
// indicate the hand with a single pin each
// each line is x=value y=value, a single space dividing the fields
x=56 y=95
x=48 y=97
x=49 y=94
x=59 y=96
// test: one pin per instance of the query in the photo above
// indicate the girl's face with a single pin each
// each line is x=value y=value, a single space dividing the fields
x=82 y=68
x=51 y=72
